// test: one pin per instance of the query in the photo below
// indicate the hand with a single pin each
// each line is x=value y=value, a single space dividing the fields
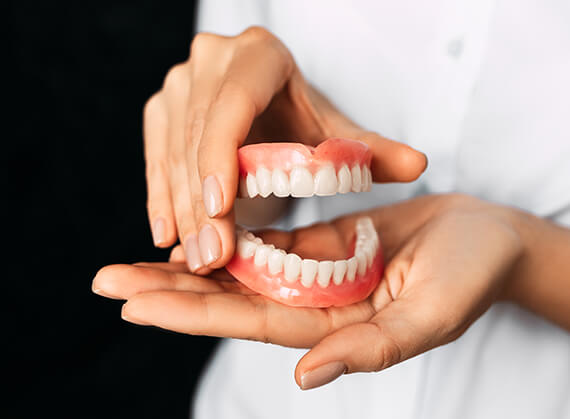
x=230 y=91
x=448 y=259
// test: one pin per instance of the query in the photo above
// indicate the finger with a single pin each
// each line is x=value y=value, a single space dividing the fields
x=125 y=281
x=160 y=211
x=393 y=161
x=177 y=254
x=397 y=333
x=177 y=90
x=251 y=317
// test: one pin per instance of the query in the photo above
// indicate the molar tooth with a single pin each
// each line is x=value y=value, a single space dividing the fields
x=309 y=269
x=340 y=268
x=325 y=271
x=261 y=254
x=246 y=248
x=251 y=182
x=263 y=177
x=344 y=179
x=362 y=262
x=250 y=236
x=292 y=267
x=280 y=183
x=369 y=252
x=351 y=270
x=301 y=182
x=325 y=181
x=356 y=178
x=275 y=261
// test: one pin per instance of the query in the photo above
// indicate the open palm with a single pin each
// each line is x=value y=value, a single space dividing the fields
x=446 y=262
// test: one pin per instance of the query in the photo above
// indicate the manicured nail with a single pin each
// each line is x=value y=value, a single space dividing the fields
x=322 y=375
x=209 y=242
x=158 y=231
x=193 y=253
x=130 y=319
x=212 y=196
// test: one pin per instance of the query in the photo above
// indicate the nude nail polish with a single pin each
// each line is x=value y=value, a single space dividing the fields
x=192 y=251
x=212 y=196
x=158 y=231
x=209 y=243
x=322 y=375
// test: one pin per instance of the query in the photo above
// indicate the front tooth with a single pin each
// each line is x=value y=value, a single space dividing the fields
x=251 y=183
x=301 y=182
x=325 y=181
x=362 y=262
x=275 y=261
x=356 y=178
x=351 y=270
x=292 y=267
x=308 y=271
x=340 y=268
x=280 y=183
x=263 y=181
x=369 y=252
x=261 y=254
x=325 y=271
x=246 y=248
x=344 y=179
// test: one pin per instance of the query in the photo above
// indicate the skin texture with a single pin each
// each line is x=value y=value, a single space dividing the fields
x=449 y=257
x=233 y=91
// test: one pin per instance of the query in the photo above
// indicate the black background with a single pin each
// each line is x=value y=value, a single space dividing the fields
x=79 y=75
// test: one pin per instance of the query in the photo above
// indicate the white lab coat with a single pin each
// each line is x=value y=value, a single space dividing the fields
x=483 y=88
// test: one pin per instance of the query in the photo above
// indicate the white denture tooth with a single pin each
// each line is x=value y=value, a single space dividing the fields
x=246 y=248
x=257 y=240
x=351 y=269
x=326 y=183
x=367 y=174
x=261 y=254
x=292 y=267
x=301 y=182
x=362 y=262
x=251 y=183
x=275 y=261
x=340 y=268
x=324 y=273
x=369 y=252
x=280 y=183
x=309 y=269
x=250 y=236
x=263 y=177
x=356 y=178
x=344 y=179
x=242 y=190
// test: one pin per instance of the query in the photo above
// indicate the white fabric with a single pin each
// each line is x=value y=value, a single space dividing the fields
x=483 y=88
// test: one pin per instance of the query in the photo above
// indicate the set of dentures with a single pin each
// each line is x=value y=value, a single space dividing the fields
x=291 y=169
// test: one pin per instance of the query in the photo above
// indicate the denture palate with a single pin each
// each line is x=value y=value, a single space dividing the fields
x=324 y=273
x=300 y=182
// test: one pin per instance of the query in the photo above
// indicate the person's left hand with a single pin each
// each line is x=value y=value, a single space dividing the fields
x=448 y=258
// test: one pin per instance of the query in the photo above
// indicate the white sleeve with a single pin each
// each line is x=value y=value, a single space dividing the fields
x=230 y=17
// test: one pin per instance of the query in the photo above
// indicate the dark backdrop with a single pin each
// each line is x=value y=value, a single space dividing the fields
x=79 y=76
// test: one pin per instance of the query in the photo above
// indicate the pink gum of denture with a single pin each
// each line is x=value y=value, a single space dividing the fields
x=285 y=156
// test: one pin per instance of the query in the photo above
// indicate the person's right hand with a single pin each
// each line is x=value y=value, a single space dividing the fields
x=232 y=90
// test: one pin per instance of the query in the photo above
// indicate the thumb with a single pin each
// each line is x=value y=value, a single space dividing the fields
x=391 y=336
x=393 y=161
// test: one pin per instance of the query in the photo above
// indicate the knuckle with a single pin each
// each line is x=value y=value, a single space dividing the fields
x=202 y=41
x=176 y=77
x=153 y=106
x=256 y=33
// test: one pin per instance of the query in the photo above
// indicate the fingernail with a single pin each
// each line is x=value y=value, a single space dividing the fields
x=212 y=196
x=131 y=319
x=322 y=375
x=209 y=242
x=158 y=231
x=193 y=253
